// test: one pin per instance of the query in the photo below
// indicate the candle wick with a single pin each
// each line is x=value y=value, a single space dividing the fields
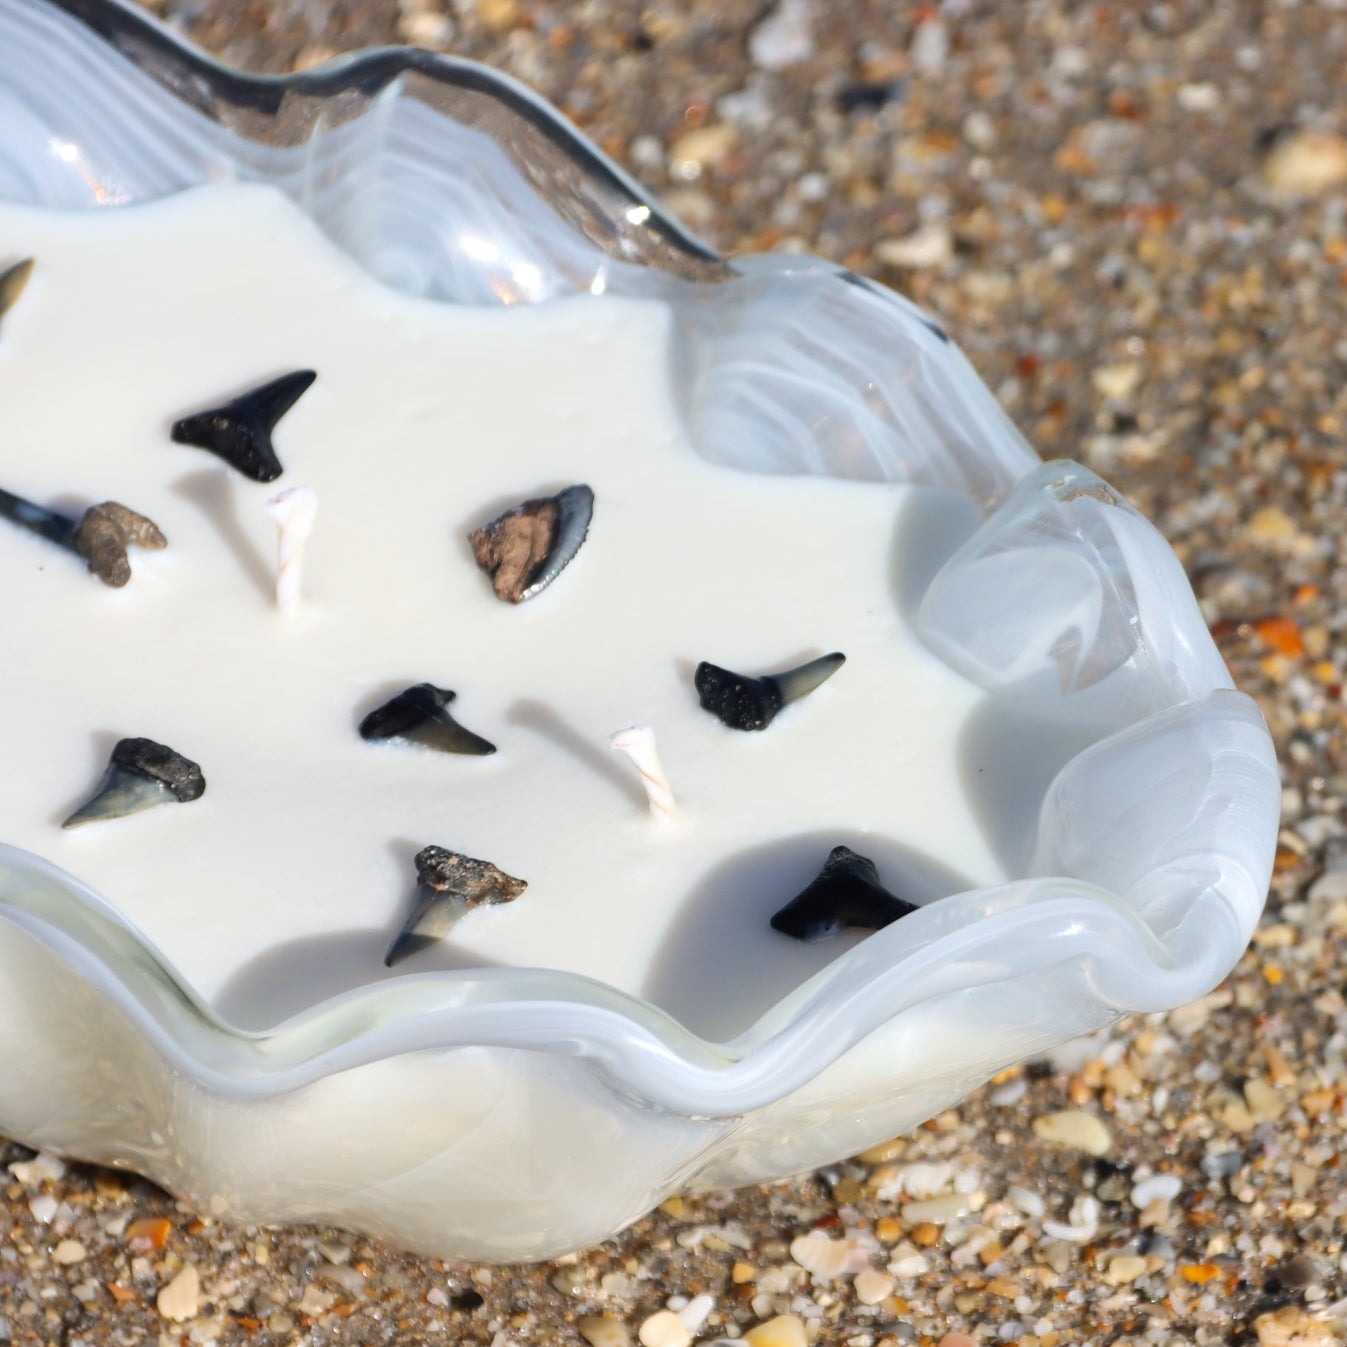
x=293 y=510
x=637 y=741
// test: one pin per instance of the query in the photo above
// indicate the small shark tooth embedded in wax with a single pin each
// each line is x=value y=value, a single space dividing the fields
x=526 y=548
x=100 y=536
x=140 y=774
x=240 y=431
x=418 y=715
x=105 y=532
x=450 y=886
x=745 y=703
x=13 y=282
x=847 y=892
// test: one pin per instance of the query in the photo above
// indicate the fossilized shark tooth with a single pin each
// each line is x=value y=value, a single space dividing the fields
x=847 y=892
x=745 y=703
x=451 y=885
x=526 y=548
x=100 y=536
x=418 y=715
x=13 y=282
x=140 y=775
x=106 y=531
x=240 y=431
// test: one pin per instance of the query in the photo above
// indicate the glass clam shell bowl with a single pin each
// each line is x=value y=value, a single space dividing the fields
x=480 y=1114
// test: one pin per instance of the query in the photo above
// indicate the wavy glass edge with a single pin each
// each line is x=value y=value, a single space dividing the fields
x=738 y=1106
x=251 y=104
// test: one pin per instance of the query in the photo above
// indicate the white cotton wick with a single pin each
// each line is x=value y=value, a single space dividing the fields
x=637 y=741
x=293 y=510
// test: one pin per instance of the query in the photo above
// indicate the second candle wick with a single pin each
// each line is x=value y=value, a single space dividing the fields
x=637 y=741
x=293 y=510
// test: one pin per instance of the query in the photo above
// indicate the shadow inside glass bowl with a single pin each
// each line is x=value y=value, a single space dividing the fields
x=286 y=979
x=708 y=972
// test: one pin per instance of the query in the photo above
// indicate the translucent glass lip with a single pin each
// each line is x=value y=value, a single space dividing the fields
x=201 y=81
x=936 y=951
x=1134 y=657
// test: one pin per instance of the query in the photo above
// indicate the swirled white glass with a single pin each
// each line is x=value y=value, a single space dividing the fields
x=478 y=1113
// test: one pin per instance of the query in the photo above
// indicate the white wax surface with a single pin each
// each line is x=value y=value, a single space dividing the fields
x=286 y=881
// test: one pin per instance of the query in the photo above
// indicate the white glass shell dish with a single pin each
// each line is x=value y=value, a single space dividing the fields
x=479 y=1114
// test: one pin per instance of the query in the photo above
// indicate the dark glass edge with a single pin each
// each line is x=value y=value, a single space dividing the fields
x=136 y=35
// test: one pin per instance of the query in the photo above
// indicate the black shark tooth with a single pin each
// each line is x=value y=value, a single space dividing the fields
x=745 y=703
x=418 y=715
x=240 y=431
x=140 y=774
x=847 y=892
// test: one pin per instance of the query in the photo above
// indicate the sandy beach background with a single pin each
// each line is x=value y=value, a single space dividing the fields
x=1133 y=218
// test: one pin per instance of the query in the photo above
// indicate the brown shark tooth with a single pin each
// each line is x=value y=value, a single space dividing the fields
x=526 y=548
x=450 y=886
x=105 y=532
x=140 y=774
x=101 y=536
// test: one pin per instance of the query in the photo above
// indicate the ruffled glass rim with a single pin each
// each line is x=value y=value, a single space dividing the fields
x=958 y=942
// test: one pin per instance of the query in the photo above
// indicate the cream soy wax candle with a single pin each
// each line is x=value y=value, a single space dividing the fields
x=292 y=872
x=780 y=810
